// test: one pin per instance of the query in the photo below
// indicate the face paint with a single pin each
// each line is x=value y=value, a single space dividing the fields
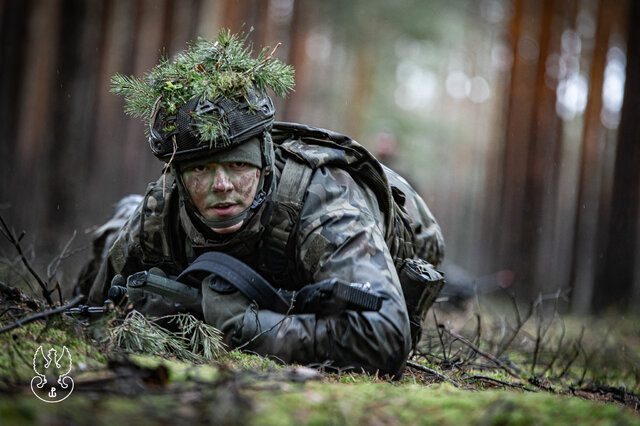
x=222 y=190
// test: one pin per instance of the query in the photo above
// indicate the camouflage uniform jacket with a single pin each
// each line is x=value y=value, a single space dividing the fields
x=340 y=232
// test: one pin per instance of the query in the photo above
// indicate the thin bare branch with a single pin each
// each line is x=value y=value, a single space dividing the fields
x=503 y=346
x=10 y=236
x=40 y=315
x=433 y=372
x=286 y=315
x=577 y=347
x=444 y=349
x=485 y=354
x=501 y=382
x=52 y=269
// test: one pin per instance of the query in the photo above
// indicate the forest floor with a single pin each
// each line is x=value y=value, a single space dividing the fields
x=494 y=362
x=489 y=360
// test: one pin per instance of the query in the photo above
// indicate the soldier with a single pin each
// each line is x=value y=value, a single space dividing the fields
x=298 y=205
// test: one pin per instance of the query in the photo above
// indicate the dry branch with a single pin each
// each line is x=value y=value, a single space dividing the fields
x=40 y=315
x=500 y=382
x=485 y=354
x=433 y=372
x=15 y=241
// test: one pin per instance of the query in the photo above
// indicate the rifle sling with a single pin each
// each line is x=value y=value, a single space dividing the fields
x=239 y=275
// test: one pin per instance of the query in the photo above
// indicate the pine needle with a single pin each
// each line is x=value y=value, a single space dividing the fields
x=195 y=341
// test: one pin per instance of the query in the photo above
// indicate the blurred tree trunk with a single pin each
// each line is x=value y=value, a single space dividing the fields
x=13 y=27
x=298 y=31
x=615 y=274
x=514 y=249
x=543 y=137
x=242 y=15
x=553 y=248
x=233 y=14
x=34 y=118
x=362 y=84
x=585 y=235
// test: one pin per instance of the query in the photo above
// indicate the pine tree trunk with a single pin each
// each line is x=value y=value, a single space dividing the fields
x=616 y=272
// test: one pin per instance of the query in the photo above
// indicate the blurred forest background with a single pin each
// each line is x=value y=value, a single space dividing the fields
x=517 y=120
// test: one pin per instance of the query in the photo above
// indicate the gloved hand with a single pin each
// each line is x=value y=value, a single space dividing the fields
x=155 y=305
x=223 y=307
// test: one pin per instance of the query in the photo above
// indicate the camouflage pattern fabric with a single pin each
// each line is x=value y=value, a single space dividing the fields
x=342 y=231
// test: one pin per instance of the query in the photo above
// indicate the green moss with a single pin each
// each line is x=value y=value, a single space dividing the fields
x=179 y=371
x=381 y=403
x=248 y=389
x=317 y=403
x=17 y=349
x=245 y=361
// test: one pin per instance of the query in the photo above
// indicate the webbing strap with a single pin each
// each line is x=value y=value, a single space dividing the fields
x=292 y=187
x=241 y=276
x=293 y=183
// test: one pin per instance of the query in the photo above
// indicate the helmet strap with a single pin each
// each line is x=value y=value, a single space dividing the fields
x=224 y=223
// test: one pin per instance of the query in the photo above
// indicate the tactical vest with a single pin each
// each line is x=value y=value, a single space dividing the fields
x=300 y=150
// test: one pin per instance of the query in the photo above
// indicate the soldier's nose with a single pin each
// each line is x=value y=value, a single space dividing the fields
x=221 y=182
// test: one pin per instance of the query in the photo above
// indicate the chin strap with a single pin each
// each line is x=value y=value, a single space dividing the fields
x=224 y=223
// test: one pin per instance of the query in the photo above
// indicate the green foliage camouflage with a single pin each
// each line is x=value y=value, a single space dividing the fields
x=212 y=70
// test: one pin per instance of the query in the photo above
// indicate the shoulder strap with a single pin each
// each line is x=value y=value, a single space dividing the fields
x=155 y=237
x=288 y=201
x=293 y=183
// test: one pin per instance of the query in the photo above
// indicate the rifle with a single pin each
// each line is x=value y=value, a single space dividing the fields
x=223 y=272
x=88 y=311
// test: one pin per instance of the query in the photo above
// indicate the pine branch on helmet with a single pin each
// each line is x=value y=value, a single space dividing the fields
x=209 y=97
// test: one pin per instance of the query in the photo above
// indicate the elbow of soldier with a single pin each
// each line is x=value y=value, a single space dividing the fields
x=397 y=348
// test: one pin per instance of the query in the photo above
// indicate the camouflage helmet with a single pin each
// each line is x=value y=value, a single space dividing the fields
x=243 y=119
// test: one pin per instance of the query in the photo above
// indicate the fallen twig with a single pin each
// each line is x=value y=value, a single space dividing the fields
x=76 y=300
x=433 y=372
x=501 y=382
x=481 y=352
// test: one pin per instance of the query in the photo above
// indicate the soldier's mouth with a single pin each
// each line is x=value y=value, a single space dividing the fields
x=223 y=209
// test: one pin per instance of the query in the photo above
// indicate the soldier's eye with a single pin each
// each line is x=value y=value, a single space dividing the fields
x=238 y=164
x=199 y=168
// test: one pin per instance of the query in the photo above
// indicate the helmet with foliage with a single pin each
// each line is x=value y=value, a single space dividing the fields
x=206 y=102
x=210 y=97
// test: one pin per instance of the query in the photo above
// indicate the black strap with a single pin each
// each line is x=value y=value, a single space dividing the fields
x=238 y=274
